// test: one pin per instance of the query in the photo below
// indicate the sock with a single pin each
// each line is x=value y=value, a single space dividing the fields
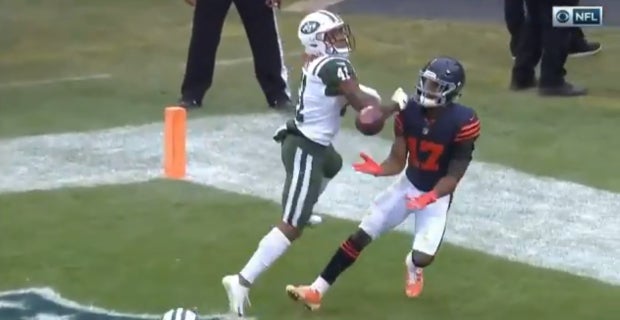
x=344 y=257
x=324 y=184
x=270 y=248
x=410 y=266
x=320 y=285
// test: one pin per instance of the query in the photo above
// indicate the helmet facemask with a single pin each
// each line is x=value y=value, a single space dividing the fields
x=338 y=40
x=432 y=91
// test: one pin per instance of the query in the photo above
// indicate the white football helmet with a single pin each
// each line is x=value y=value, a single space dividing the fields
x=325 y=33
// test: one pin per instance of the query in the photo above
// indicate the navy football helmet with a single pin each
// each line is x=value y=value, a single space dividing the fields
x=440 y=82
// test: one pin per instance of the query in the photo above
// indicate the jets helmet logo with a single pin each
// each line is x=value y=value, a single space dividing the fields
x=309 y=27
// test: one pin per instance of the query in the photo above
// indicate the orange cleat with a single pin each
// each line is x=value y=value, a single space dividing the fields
x=413 y=287
x=310 y=297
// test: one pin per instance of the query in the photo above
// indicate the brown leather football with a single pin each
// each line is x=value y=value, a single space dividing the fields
x=369 y=121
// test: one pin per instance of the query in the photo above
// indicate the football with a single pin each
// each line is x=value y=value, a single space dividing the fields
x=369 y=121
x=180 y=314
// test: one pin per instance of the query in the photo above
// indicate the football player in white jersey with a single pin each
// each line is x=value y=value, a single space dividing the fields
x=328 y=85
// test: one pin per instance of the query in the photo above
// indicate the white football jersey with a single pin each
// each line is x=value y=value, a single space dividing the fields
x=321 y=106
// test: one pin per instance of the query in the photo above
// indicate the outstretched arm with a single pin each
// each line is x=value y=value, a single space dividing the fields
x=339 y=77
x=359 y=100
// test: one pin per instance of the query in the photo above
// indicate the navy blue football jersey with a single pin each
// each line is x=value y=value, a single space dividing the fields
x=430 y=144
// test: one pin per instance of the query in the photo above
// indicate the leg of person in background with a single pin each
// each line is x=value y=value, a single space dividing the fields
x=261 y=27
x=514 y=16
x=579 y=46
x=529 y=48
x=207 y=26
x=555 y=51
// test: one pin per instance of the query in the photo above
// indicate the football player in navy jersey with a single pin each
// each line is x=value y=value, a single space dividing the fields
x=433 y=142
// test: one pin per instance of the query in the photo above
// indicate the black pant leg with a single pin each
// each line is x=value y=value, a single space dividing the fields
x=555 y=47
x=209 y=16
x=514 y=16
x=261 y=28
x=529 y=49
x=577 y=39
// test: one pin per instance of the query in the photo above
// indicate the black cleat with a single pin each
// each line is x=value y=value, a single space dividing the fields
x=584 y=50
x=523 y=85
x=189 y=104
x=284 y=105
x=564 y=90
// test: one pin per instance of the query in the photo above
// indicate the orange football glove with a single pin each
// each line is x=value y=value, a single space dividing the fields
x=420 y=202
x=368 y=166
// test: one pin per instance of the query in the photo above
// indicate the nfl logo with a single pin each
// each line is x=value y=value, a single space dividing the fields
x=425 y=131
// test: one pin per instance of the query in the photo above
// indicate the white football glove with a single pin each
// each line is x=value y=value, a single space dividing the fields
x=370 y=91
x=400 y=97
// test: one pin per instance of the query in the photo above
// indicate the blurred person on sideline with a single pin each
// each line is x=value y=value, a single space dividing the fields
x=261 y=27
x=514 y=16
x=537 y=40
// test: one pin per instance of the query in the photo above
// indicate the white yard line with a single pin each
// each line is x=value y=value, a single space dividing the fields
x=238 y=61
x=232 y=62
x=536 y=220
x=103 y=76
x=306 y=6
x=31 y=83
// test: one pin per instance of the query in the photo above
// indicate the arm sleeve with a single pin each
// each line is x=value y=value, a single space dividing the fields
x=470 y=130
x=464 y=146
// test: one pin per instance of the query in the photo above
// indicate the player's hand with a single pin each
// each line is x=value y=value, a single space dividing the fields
x=368 y=166
x=420 y=202
x=400 y=97
x=273 y=3
x=191 y=2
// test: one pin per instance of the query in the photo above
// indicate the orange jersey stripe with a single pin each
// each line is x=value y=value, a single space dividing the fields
x=473 y=124
x=467 y=137
x=468 y=131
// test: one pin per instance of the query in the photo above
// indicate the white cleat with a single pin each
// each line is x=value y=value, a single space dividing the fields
x=315 y=220
x=237 y=294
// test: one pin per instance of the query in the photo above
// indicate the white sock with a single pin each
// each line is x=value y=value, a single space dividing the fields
x=320 y=285
x=411 y=268
x=270 y=248
x=324 y=184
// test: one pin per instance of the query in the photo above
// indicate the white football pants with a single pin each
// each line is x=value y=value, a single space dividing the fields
x=389 y=210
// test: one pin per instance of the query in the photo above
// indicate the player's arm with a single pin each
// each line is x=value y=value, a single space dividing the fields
x=359 y=100
x=464 y=145
x=338 y=74
x=397 y=159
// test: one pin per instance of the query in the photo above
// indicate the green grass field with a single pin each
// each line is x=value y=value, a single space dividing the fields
x=146 y=247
